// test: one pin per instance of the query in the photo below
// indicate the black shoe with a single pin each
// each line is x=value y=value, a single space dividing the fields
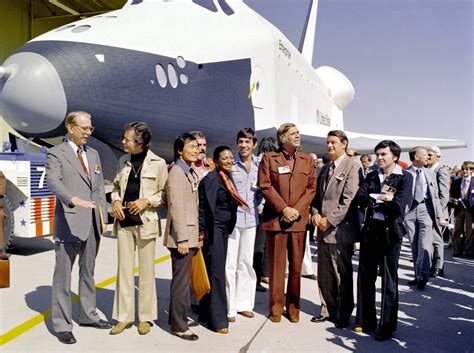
x=413 y=282
x=382 y=336
x=101 y=324
x=66 y=337
x=192 y=323
x=261 y=288
x=312 y=277
x=341 y=324
x=437 y=272
x=318 y=318
x=421 y=284
x=187 y=336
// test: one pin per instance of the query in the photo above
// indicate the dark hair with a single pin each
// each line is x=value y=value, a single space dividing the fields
x=218 y=151
x=341 y=135
x=414 y=152
x=366 y=155
x=142 y=133
x=268 y=144
x=247 y=133
x=198 y=134
x=179 y=143
x=393 y=146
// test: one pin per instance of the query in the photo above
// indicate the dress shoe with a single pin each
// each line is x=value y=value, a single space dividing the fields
x=437 y=272
x=66 y=337
x=248 y=314
x=441 y=272
x=120 y=327
x=382 y=336
x=318 y=318
x=143 y=327
x=294 y=319
x=186 y=336
x=413 y=282
x=231 y=318
x=311 y=277
x=265 y=279
x=192 y=323
x=421 y=284
x=275 y=318
x=261 y=288
x=223 y=331
x=341 y=324
x=101 y=324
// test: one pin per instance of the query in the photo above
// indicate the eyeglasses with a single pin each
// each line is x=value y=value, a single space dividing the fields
x=350 y=155
x=86 y=128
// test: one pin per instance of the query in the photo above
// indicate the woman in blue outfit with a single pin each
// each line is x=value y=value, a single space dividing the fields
x=218 y=201
x=384 y=194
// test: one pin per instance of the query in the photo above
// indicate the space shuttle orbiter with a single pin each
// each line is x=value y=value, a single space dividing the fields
x=179 y=65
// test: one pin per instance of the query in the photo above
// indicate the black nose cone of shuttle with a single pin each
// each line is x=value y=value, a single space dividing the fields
x=32 y=97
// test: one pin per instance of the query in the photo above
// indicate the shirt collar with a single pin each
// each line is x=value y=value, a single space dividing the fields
x=287 y=154
x=238 y=160
x=339 y=160
x=74 y=146
x=397 y=170
x=434 y=166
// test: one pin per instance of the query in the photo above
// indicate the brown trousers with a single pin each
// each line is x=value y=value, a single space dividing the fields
x=277 y=244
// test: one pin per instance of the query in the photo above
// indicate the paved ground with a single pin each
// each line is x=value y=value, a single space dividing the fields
x=438 y=319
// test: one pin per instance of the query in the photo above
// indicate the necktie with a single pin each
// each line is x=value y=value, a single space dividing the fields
x=465 y=188
x=79 y=156
x=332 y=166
x=419 y=195
x=233 y=191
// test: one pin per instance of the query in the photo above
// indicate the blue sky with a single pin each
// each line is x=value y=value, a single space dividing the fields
x=410 y=61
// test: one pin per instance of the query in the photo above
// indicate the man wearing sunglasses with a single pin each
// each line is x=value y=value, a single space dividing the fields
x=75 y=177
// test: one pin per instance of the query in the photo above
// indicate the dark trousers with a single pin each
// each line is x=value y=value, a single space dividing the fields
x=373 y=252
x=277 y=246
x=180 y=300
x=260 y=255
x=335 y=281
x=463 y=238
x=213 y=306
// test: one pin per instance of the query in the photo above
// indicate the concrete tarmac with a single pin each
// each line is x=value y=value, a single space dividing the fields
x=437 y=319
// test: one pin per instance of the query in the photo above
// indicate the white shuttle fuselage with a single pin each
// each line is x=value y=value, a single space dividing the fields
x=179 y=65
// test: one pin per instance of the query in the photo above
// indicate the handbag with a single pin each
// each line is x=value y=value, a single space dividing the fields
x=199 y=278
x=130 y=220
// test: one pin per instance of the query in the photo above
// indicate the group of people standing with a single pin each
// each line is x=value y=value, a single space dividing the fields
x=216 y=205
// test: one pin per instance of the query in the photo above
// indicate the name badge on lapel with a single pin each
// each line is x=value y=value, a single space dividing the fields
x=284 y=170
x=97 y=169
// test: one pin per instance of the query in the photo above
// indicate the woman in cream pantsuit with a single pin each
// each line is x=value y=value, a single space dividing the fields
x=138 y=188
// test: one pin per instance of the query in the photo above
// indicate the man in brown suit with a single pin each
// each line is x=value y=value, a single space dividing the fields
x=287 y=181
x=335 y=216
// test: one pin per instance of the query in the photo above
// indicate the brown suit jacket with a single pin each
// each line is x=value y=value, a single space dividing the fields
x=182 y=222
x=294 y=189
x=334 y=201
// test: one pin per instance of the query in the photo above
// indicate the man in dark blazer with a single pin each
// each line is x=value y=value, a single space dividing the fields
x=336 y=218
x=462 y=195
x=287 y=181
x=74 y=175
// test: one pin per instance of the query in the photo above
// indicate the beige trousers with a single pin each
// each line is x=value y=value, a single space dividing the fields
x=124 y=302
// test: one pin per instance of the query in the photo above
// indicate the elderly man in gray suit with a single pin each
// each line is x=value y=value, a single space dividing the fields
x=335 y=215
x=422 y=217
x=443 y=181
x=75 y=176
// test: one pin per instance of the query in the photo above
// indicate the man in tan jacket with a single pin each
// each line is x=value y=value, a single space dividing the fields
x=138 y=188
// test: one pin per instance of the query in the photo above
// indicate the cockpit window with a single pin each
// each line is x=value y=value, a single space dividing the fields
x=207 y=4
x=80 y=29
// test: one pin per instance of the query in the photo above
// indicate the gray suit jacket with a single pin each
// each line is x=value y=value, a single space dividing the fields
x=444 y=181
x=334 y=201
x=432 y=191
x=66 y=179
